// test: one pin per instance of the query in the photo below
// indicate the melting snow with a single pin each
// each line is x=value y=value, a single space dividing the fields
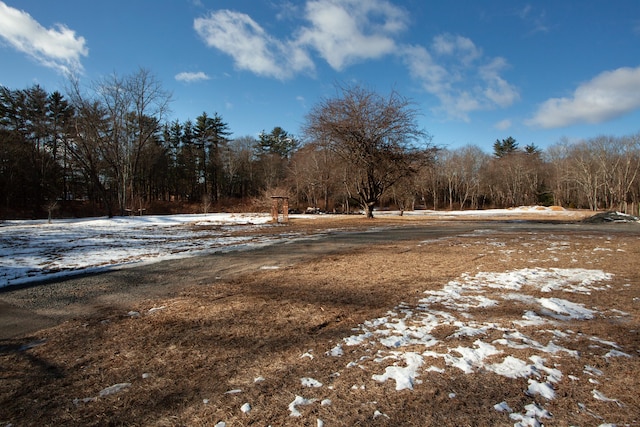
x=404 y=336
x=400 y=340
x=34 y=250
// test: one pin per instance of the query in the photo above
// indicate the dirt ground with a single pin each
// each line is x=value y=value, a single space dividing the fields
x=189 y=342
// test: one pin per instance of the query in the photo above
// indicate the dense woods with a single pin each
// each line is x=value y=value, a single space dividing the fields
x=113 y=151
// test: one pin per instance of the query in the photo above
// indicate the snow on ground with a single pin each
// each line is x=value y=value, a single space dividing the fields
x=403 y=347
x=36 y=250
x=487 y=213
x=402 y=344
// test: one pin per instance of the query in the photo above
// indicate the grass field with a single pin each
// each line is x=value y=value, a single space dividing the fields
x=490 y=327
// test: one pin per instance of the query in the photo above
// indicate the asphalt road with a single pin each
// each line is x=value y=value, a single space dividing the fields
x=27 y=309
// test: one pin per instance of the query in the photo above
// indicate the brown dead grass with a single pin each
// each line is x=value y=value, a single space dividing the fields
x=183 y=358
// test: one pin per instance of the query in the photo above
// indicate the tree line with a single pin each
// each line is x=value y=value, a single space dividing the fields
x=111 y=150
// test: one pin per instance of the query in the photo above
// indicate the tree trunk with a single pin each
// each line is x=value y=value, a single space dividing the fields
x=368 y=210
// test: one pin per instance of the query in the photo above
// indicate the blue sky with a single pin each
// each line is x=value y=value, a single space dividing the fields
x=477 y=70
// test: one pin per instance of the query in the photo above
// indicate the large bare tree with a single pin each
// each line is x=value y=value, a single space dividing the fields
x=377 y=138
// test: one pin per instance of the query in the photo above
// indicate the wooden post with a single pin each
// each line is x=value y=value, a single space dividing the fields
x=279 y=201
x=285 y=209
x=274 y=209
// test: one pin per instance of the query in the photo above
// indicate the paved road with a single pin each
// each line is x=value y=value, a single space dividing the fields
x=24 y=310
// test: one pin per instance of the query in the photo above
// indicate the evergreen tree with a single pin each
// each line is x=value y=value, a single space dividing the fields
x=210 y=134
x=504 y=147
x=278 y=142
x=532 y=149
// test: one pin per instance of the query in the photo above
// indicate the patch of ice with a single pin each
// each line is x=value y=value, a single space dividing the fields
x=530 y=318
x=310 y=382
x=543 y=389
x=617 y=353
x=405 y=377
x=590 y=370
x=471 y=358
x=116 y=388
x=377 y=414
x=562 y=309
x=512 y=367
x=357 y=339
x=298 y=401
x=336 y=351
x=605 y=342
x=518 y=340
x=502 y=407
x=532 y=416
x=154 y=309
x=599 y=396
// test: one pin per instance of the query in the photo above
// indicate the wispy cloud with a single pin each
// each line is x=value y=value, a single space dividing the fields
x=341 y=32
x=59 y=47
x=535 y=19
x=251 y=48
x=346 y=32
x=496 y=89
x=454 y=45
x=503 y=124
x=460 y=76
x=609 y=95
x=190 y=77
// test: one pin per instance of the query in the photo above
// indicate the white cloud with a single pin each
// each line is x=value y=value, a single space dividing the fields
x=503 y=124
x=536 y=20
x=57 y=48
x=460 y=76
x=345 y=32
x=462 y=47
x=190 y=77
x=609 y=95
x=497 y=89
x=349 y=31
x=239 y=36
x=435 y=78
x=342 y=32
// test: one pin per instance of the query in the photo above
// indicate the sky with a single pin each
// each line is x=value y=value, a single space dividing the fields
x=541 y=71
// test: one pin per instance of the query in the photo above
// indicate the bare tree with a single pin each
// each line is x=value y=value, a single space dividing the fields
x=617 y=166
x=86 y=149
x=313 y=171
x=585 y=175
x=561 y=186
x=135 y=106
x=238 y=163
x=377 y=137
x=462 y=172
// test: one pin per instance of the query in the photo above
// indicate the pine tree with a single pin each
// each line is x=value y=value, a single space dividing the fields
x=278 y=142
x=505 y=147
